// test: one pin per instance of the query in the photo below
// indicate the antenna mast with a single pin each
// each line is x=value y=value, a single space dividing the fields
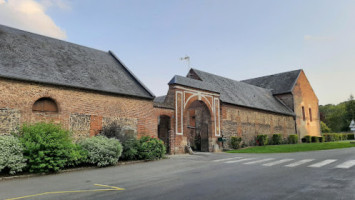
x=187 y=58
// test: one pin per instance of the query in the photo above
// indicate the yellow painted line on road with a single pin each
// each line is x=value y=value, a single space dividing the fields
x=110 y=188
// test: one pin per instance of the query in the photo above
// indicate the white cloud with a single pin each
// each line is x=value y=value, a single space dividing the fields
x=62 y=4
x=29 y=15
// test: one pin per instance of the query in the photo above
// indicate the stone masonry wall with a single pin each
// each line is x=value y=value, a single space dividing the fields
x=82 y=111
x=248 y=123
x=304 y=96
x=9 y=121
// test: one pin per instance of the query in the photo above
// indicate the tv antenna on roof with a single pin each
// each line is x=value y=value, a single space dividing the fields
x=187 y=58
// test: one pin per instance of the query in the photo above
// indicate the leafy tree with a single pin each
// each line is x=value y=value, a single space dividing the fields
x=338 y=117
x=324 y=128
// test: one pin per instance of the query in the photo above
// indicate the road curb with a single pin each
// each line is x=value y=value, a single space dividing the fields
x=120 y=163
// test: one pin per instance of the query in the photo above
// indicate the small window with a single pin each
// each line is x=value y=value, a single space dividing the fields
x=304 y=114
x=310 y=114
x=45 y=105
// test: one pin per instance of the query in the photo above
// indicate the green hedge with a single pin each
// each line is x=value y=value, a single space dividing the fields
x=332 y=137
x=276 y=139
x=315 y=139
x=262 y=140
x=307 y=139
x=49 y=148
x=293 y=139
x=235 y=142
x=151 y=148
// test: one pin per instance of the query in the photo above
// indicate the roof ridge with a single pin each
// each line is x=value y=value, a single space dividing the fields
x=272 y=75
x=233 y=80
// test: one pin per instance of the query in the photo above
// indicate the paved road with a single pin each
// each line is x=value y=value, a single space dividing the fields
x=309 y=175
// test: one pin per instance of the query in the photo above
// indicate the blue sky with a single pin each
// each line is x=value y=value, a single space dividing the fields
x=236 y=39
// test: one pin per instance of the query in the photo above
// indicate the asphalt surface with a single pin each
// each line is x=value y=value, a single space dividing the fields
x=322 y=175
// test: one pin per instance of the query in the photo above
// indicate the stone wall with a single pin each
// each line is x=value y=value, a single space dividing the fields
x=248 y=123
x=9 y=121
x=82 y=111
x=304 y=96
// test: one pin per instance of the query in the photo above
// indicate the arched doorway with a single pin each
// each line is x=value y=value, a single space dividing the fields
x=198 y=126
x=163 y=130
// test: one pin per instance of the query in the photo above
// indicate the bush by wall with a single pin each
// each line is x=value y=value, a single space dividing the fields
x=48 y=147
x=101 y=151
x=151 y=148
x=321 y=139
x=314 y=139
x=130 y=144
x=350 y=136
x=307 y=139
x=293 y=139
x=130 y=149
x=276 y=139
x=11 y=156
x=262 y=140
x=235 y=142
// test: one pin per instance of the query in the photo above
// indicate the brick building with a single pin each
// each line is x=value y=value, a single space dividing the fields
x=208 y=106
x=81 y=88
x=84 y=89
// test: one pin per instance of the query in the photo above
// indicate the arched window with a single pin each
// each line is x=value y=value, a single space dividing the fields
x=45 y=105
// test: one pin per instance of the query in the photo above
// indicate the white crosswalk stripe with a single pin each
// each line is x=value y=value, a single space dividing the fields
x=259 y=161
x=277 y=162
x=272 y=161
x=346 y=165
x=323 y=163
x=225 y=159
x=301 y=162
x=241 y=160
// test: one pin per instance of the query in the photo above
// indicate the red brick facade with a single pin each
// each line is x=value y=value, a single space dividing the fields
x=86 y=112
x=94 y=109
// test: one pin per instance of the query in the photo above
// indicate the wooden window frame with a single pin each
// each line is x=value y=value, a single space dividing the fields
x=45 y=105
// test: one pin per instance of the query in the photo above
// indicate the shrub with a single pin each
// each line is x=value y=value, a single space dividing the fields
x=11 y=156
x=350 y=136
x=101 y=151
x=293 y=139
x=130 y=149
x=276 y=139
x=314 y=139
x=321 y=139
x=262 y=140
x=130 y=144
x=151 y=148
x=307 y=139
x=344 y=136
x=235 y=142
x=48 y=147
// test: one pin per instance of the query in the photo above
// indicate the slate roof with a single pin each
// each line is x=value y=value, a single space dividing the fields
x=31 y=57
x=278 y=83
x=180 y=80
x=237 y=93
x=161 y=102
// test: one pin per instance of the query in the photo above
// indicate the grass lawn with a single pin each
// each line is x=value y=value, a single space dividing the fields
x=287 y=148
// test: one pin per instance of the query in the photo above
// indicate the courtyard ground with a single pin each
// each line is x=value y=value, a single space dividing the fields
x=328 y=174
